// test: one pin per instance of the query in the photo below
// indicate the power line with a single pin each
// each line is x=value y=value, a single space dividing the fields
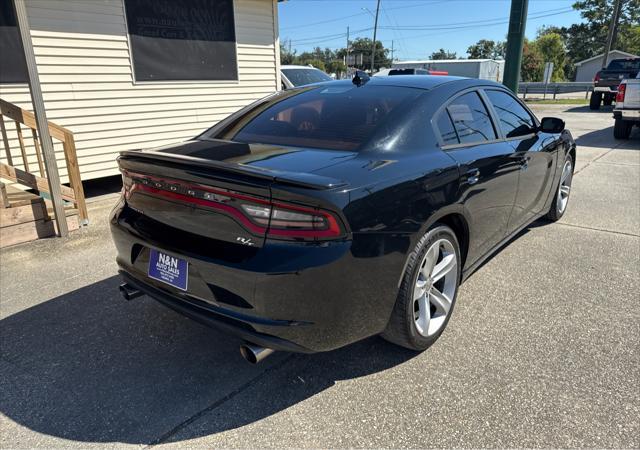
x=442 y=29
x=440 y=33
x=337 y=19
x=327 y=36
x=444 y=26
x=456 y=29
x=459 y=26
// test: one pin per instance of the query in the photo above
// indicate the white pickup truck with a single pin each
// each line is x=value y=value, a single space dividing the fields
x=627 y=109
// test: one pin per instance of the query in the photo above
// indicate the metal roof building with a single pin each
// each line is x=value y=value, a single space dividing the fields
x=487 y=69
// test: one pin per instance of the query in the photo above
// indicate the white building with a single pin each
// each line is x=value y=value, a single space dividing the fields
x=586 y=70
x=487 y=69
x=126 y=74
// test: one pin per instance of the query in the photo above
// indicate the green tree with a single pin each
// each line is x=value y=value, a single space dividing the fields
x=629 y=41
x=363 y=45
x=336 y=66
x=317 y=63
x=287 y=57
x=551 y=47
x=444 y=54
x=486 y=49
x=532 y=63
x=588 y=39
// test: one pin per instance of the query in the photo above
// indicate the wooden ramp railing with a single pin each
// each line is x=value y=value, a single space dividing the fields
x=24 y=171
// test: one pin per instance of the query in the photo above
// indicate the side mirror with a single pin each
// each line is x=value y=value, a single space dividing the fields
x=552 y=125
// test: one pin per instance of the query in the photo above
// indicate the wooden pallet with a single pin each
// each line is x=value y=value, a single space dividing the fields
x=25 y=217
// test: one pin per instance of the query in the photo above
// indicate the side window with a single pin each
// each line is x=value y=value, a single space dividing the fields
x=471 y=119
x=514 y=119
x=446 y=129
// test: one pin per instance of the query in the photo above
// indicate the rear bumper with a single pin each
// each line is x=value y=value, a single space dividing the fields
x=606 y=89
x=205 y=314
x=285 y=295
x=627 y=114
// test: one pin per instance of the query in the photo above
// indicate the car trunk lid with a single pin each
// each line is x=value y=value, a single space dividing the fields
x=218 y=189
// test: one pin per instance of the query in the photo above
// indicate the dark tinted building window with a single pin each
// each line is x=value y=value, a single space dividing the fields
x=471 y=119
x=446 y=129
x=514 y=119
x=182 y=40
x=13 y=67
x=329 y=117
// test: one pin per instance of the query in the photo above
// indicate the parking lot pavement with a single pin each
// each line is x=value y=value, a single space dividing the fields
x=542 y=349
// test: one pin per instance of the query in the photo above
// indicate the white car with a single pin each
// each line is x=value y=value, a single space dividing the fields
x=294 y=76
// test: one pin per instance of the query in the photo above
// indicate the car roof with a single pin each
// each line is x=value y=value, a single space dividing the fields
x=426 y=82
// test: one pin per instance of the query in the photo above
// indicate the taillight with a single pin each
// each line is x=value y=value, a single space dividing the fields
x=126 y=185
x=596 y=78
x=622 y=89
x=284 y=220
x=258 y=215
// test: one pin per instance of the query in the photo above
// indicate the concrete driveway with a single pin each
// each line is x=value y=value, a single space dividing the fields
x=542 y=350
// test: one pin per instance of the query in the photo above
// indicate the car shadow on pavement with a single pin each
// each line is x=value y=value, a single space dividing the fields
x=586 y=109
x=90 y=367
x=604 y=139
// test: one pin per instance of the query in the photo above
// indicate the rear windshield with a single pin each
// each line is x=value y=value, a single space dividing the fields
x=624 y=64
x=301 y=77
x=329 y=117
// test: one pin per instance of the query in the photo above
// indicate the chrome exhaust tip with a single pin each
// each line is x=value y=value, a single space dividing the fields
x=129 y=292
x=254 y=353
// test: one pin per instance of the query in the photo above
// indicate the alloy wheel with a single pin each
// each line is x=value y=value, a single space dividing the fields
x=435 y=287
x=565 y=186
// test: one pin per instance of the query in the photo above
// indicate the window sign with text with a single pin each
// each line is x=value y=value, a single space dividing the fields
x=189 y=40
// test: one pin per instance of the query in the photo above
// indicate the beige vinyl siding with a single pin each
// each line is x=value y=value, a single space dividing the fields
x=83 y=59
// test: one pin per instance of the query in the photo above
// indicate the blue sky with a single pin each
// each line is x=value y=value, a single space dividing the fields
x=416 y=27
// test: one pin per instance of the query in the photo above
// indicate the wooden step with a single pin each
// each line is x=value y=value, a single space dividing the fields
x=28 y=217
x=22 y=207
x=73 y=218
x=25 y=232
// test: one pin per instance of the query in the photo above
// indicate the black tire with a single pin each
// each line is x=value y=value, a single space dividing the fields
x=555 y=212
x=595 y=101
x=622 y=129
x=608 y=99
x=402 y=329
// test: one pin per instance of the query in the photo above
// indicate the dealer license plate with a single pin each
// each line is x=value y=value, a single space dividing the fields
x=168 y=269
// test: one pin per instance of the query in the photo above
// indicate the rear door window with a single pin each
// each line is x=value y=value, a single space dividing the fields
x=514 y=119
x=446 y=129
x=471 y=119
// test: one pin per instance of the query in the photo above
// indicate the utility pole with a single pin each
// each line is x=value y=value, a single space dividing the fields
x=347 y=61
x=613 y=28
x=515 y=41
x=375 y=30
x=53 y=177
x=392 y=52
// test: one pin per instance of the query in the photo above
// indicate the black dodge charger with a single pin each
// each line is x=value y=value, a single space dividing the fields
x=322 y=215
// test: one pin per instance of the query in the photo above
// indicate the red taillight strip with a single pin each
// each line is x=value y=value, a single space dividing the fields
x=201 y=187
x=333 y=229
x=200 y=201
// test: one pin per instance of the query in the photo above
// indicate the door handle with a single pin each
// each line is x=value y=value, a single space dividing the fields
x=473 y=176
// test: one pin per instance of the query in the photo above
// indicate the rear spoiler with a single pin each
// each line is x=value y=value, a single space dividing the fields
x=299 y=179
